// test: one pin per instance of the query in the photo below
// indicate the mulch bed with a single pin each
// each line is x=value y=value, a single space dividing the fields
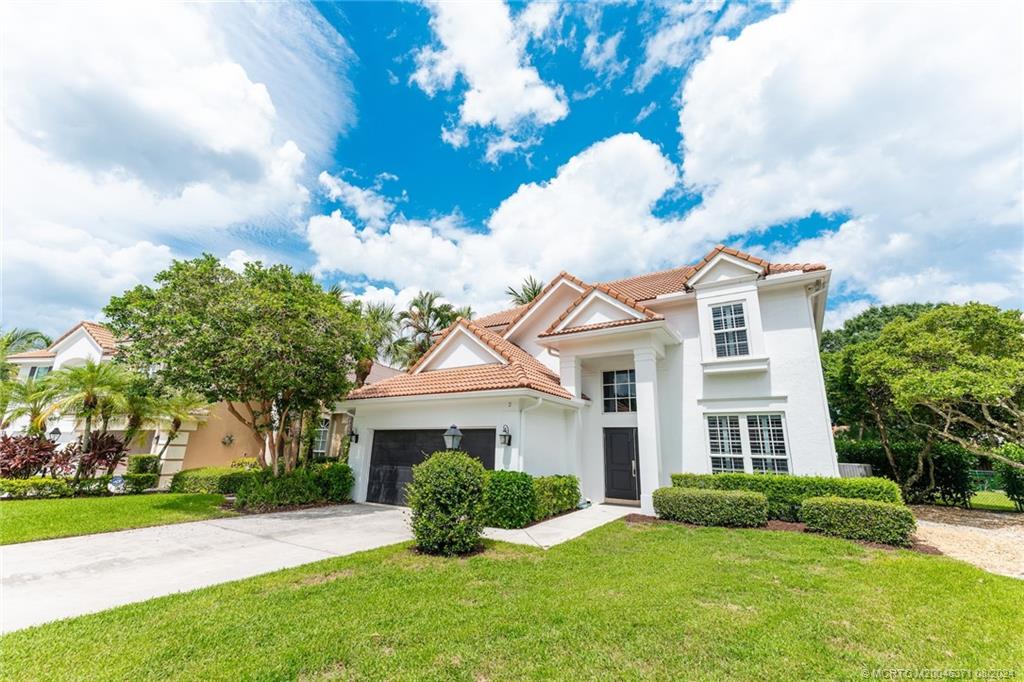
x=957 y=516
x=786 y=527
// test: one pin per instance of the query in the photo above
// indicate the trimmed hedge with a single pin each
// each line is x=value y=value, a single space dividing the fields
x=446 y=496
x=143 y=464
x=98 y=486
x=786 y=493
x=139 y=483
x=870 y=520
x=947 y=474
x=319 y=483
x=211 y=480
x=555 y=495
x=35 y=487
x=708 y=507
x=510 y=500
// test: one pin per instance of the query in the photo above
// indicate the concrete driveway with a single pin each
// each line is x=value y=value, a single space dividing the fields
x=54 y=579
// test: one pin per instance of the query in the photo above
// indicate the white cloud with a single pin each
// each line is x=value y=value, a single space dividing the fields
x=593 y=218
x=136 y=124
x=601 y=55
x=368 y=204
x=237 y=258
x=481 y=43
x=907 y=120
x=836 y=316
x=645 y=112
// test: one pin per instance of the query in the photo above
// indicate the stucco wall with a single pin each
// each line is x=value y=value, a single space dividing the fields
x=205 y=447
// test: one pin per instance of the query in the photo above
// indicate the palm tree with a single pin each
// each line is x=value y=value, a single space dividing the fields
x=89 y=391
x=30 y=398
x=529 y=290
x=178 y=408
x=140 y=407
x=426 y=316
x=18 y=340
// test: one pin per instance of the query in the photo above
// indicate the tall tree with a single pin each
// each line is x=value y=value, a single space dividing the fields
x=527 y=291
x=31 y=399
x=866 y=326
x=384 y=329
x=18 y=341
x=268 y=342
x=958 y=371
x=177 y=408
x=426 y=316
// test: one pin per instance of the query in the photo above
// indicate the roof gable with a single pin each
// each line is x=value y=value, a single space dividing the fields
x=601 y=305
x=458 y=346
x=562 y=282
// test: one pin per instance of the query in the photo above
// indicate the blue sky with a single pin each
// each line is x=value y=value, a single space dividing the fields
x=394 y=147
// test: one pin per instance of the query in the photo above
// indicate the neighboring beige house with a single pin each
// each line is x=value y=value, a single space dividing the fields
x=215 y=439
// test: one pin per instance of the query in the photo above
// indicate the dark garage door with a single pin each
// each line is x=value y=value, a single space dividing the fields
x=395 y=452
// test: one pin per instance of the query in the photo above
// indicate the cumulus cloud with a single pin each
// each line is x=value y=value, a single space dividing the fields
x=482 y=43
x=595 y=217
x=138 y=125
x=368 y=204
x=908 y=121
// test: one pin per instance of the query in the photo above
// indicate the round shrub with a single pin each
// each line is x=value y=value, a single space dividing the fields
x=884 y=522
x=446 y=497
x=263 y=491
x=335 y=481
x=705 y=507
x=555 y=495
x=509 y=499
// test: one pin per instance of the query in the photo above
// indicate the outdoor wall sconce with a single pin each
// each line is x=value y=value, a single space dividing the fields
x=505 y=437
x=55 y=434
x=452 y=437
x=227 y=440
x=353 y=437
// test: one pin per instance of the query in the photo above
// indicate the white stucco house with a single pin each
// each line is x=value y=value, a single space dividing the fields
x=707 y=368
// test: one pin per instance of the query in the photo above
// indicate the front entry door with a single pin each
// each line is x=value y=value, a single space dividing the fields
x=621 y=467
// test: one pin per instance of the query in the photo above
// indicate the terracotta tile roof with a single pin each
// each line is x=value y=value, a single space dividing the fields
x=520 y=370
x=550 y=285
x=599 y=325
x=604 y=288
x=502 y=318
x=99 y=333
x=31 y=354
x=651 y=285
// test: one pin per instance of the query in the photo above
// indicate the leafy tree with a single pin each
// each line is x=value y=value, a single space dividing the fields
x=18 y=341
x=268 y=342
x=958 y=371
x=868 y=325
x=384 y=332
x=527 y=291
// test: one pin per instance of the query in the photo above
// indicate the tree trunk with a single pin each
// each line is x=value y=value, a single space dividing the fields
x=86 y=443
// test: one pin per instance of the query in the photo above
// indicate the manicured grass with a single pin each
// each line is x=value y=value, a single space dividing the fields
x=622 y=602
x=994 y=500
x=25 y=520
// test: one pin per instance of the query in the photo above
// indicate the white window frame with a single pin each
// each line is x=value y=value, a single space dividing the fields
x=630 y=399
x=746 y=452
x=744 y=328
x=323 y=429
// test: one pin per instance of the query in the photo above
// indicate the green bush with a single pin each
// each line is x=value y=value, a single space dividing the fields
x=245 y=463
x=947 y=474
x=139 y=483
x=1011 y=478
x=211 y=480
x=870 y=520
x=97 y=486
x=785 y=493
x=265 y=491
x=708 y=507
x=335 y=481
x=510 y=500
x=38 y=486
x=555 y=495
x=143 y=464
x=446 y=497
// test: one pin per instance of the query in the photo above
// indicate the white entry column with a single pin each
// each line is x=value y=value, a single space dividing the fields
x=645 y=364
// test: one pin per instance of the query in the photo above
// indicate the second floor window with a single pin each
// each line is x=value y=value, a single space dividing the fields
x=730 y=329
x=620 y=391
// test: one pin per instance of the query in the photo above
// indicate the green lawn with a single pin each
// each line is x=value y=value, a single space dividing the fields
x=993 y=500
x=25 y=520
x=622 y=602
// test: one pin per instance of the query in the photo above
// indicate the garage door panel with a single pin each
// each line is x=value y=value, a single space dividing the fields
x=396 y=451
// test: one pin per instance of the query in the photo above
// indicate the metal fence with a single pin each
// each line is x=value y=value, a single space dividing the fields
x=847 y=470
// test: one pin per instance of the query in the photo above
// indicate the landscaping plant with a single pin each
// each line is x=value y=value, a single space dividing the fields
x=223 y=480
x=35 y=487
x=446 y=498
x=785 y=493
x=510 y=499
x=708 y=507
x=870 y=520
x=947 y=469
x=22 y=456
x=1011 y=478
x=555 y=495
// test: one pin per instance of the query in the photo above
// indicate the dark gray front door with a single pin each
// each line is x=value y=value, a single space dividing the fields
x=395 y=452
x=621 y=467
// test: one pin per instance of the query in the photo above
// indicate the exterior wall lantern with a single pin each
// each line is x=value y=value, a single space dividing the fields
x=505 y=437
x=353 y=437
x=55 y=434
x=452 y=437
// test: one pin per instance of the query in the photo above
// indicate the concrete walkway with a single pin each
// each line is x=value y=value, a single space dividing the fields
x=53 y=579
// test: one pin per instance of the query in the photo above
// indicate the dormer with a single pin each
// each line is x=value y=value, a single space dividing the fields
x=600 y=306
x=729 y=312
